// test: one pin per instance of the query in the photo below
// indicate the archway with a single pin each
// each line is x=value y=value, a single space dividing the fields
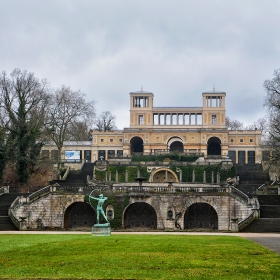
x=140 y=215
x=177 y=147
x=164 y=175
x=175 y=144
x=214 y=146
x=136 y=144
x=79 y=215
x=201 y=216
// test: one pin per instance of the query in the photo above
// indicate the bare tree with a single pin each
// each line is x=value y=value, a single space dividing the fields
x=67 y=107
x=23 y=99
x=80 y=131
x=272 y=103
x=234 y=124
x=261 y=124
x=106 y=121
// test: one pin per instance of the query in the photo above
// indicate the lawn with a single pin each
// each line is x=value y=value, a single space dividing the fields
x=72 y=256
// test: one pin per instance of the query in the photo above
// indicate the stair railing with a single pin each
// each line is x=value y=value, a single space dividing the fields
x=66 y=173
x=2 y=190
x=246 y=221
x=19 y=222
x=239 y=195
x=40 y=193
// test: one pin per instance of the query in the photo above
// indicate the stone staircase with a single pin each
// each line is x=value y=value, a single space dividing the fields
x=269 y=220
x=251 y=177
x=78 y=177
x=5 y=202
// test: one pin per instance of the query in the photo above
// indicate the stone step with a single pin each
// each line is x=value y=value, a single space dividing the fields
x=270 y=211
x=6 y=223
x=264 y=225
x=269 y=199
x=3 y=212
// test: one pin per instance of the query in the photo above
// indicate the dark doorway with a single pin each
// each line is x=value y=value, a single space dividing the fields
x=201 y=216
x=79 y=215
x=140 y=215
x=136 y=144
x=177 y=146
x=214 y=146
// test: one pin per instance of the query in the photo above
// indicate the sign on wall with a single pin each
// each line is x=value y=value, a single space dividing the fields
x=72 y=155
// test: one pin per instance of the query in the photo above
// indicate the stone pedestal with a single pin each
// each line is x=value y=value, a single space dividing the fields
x=101 y=230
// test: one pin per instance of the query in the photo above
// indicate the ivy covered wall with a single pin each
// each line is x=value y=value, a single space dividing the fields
x=187 y=172
x=119 y=203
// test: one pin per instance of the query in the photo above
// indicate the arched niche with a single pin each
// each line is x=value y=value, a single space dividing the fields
x=163 y=175
x=201 y=216
x=79 y=215
x=140 y=215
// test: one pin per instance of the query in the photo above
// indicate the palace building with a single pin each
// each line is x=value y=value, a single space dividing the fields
x=198 y=130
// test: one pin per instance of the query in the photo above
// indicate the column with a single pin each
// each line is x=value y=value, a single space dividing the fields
x=193 y=176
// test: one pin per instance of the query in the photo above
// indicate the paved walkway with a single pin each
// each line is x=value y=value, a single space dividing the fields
x=268 y=240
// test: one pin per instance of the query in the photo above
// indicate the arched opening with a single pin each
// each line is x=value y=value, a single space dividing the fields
x=164 y=175
x=177 y=147
x=175 y=144
x=136 y=144
x=214 y=146
x=140 y=215
x=201 y=216
x=79 y=215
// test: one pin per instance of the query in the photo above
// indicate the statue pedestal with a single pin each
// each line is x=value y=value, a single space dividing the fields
x=101 y=230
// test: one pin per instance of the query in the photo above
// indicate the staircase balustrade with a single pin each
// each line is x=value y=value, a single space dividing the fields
x=2 y=190
x=239 y=195
x=13 y=210
x=155 y=188
x=40 y=193
x=247 y=221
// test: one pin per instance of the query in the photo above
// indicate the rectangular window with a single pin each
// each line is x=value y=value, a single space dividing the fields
x=54 y=154
x=101 y=140
x=251 y=140
x=232 y=155
x=140 y=119
x=111 y=140
x=241 y=157
x=87 y=155
x=231 y=140
x=111 y=153
x=120 y=140
x=119 y=153
x=251 y=157
x=45 y=154
x=101 y=155
x=214 y=119
x=241 y=140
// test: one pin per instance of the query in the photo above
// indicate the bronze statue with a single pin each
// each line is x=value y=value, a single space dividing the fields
x=99 y=208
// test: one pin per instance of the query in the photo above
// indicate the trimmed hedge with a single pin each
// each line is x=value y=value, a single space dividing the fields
x=173 y=157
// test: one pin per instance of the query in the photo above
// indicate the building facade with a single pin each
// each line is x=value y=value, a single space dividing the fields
x=199 y=130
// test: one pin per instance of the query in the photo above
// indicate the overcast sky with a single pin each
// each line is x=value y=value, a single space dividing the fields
x=175 y=49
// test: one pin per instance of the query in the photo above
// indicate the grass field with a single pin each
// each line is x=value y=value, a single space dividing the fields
x=134 y=257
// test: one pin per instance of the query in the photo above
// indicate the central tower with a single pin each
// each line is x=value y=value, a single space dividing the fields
x=141 y=109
